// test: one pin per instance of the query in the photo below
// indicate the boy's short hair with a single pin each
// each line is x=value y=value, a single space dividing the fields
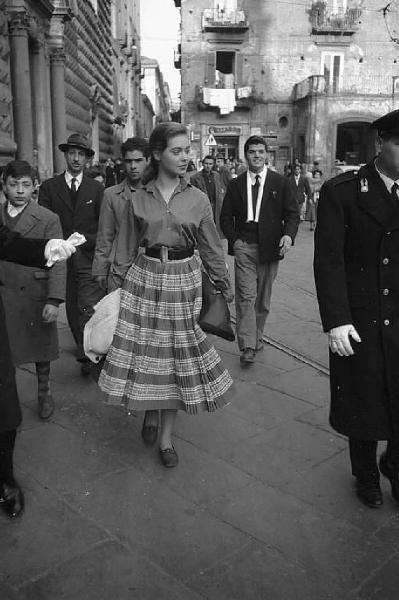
x=136 y=143
x=19 y=168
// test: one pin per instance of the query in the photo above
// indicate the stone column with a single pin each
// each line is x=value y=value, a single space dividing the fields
x=20 y=83
x=42 y=114
x=58 y=109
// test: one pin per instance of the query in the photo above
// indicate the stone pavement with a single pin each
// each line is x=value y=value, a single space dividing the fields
x=261 y=506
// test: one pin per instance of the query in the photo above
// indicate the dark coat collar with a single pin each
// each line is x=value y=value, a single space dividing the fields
x=374 y=198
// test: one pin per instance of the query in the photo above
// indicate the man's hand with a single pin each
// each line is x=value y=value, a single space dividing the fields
x=102 y=282
x=339 y=339
x=50 y=313
x=285 y=244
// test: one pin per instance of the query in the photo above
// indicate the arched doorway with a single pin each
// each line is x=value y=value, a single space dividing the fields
x=355 y=143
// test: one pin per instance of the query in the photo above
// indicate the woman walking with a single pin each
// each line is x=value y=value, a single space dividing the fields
x=160 y=359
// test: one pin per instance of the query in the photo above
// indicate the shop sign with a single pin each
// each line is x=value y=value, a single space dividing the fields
x=225 y=130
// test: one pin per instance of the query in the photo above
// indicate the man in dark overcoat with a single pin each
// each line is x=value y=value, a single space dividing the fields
x=209 y=181
x=356 y=268
x=260 y=219
x=32 y=253
x=76 y=199
x=301 y=188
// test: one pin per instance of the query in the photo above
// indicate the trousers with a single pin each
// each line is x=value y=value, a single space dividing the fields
x=363 y=455
x=253 y=290
x=82 y=293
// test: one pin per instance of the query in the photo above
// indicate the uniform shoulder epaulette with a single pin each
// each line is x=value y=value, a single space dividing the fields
x=344 y=177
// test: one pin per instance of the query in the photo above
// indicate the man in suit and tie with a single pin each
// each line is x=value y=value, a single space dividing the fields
x=260 y=220
x=301 y=188
x=76 y=199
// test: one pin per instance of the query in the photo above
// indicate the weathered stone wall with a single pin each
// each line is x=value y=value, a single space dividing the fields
x=278 y=51
x=88 y=73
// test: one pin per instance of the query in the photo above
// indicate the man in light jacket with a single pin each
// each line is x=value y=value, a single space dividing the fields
x=135 y=153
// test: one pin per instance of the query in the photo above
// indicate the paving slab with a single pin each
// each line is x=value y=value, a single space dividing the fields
x=383 y=584
x=49 y=533
x=325 y=547
x=109 y=570
x=258 y=572
x=177 y=534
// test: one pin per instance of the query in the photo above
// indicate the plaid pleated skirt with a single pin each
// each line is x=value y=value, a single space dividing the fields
x=160 y=358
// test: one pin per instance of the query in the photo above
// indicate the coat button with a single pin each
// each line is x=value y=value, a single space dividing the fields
x=386 y=322
x=385 y=292
x=388 y=233
x=385 y=261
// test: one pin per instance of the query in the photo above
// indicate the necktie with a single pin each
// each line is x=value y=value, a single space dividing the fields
x=394 y=192
x=255 y=190
x=74 y=191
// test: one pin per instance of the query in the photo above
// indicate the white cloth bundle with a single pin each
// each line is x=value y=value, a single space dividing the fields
x=54 y=250
x=100 y=328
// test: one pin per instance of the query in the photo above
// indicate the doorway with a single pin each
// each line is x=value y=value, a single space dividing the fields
x=355 y=143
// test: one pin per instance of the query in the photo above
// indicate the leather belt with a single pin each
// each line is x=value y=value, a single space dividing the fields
x=164 y=253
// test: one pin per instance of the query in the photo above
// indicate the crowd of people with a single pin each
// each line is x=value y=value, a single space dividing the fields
x=151 y=235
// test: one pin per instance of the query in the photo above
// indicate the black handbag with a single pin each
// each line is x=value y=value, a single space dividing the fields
x=215 y=314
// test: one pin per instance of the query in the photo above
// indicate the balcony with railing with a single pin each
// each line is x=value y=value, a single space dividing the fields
x=361 y=85
x=218 y=19
x=326 y=22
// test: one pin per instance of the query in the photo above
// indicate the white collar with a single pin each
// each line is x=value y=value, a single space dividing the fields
x=262 y=175
x=69 y=177
x=13 y=211
x=387 y=180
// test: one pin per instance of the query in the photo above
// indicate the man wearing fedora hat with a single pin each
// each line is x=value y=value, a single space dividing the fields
x=357 y=279
x=76 y=199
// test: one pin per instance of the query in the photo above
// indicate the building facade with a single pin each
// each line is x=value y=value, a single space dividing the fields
x=309 y=76
x=65 y=66
x=156 y=90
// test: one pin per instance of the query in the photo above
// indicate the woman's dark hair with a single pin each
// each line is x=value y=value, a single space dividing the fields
x=158 y=142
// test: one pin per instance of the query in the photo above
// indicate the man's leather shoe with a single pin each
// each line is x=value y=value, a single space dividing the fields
x=85 y=368
x=247 y=356
x=11 y=500
x=45 y=406
x=392 y=474
x=369 y=492
x=169 y=457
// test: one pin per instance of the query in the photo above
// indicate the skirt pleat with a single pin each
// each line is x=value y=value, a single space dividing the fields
x=160 y=358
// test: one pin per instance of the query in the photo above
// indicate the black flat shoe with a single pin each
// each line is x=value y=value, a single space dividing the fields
x=11 y=500
x=169 y=457
x=392 y=474
x=369 y=492
x=45 y=406
x=149 y=433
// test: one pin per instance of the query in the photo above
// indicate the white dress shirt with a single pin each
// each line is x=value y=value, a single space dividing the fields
x=69 y=177
x=251 y=180
x=387 y=180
